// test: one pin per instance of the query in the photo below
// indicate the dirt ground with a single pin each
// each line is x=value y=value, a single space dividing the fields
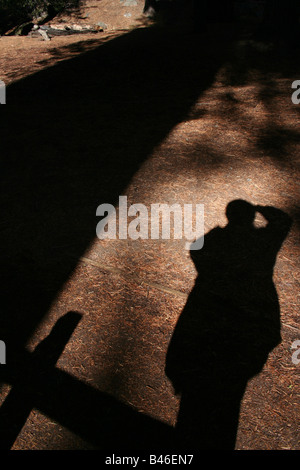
x=23 y=55
x=168 y=118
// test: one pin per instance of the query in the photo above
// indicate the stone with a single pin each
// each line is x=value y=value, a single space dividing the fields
x=102 y=25
x=130 y=3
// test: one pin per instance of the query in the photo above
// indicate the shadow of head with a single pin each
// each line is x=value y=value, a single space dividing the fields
x=240 y=212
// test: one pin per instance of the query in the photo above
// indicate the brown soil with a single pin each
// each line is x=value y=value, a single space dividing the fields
x=22 y=55
x=160 y=117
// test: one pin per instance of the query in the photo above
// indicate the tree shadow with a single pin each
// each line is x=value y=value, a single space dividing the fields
x=228 y=327
x=32 y=370
x=72 y=138
x=101 y=420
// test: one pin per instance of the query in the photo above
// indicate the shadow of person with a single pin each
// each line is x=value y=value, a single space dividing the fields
x=229 y=325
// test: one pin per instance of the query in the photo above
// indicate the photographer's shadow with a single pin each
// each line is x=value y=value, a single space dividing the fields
x=228 y=326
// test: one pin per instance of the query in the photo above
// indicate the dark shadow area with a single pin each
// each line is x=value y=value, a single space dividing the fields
x=277 y=140
x=101 y=420
x=72 y=137
x=281 y=24
x=228 y=327
x=199 y=14
x=21 y=399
